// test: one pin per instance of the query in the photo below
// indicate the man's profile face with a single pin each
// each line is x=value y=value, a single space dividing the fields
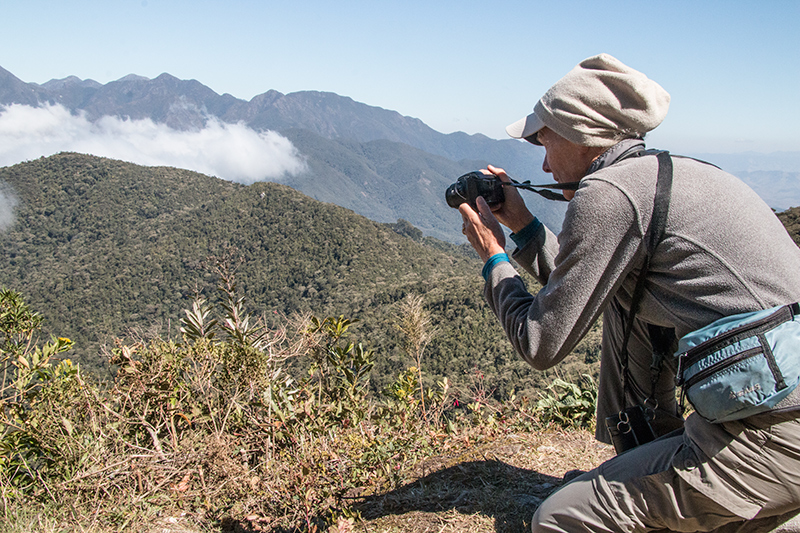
x=565 y=160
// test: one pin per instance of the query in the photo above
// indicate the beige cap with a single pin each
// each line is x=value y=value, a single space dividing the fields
x=598 y=103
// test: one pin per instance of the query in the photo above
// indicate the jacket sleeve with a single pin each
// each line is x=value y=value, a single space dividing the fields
x=599 y=245
x=538 y=255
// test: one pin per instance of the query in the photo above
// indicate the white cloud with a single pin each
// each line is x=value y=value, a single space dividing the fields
x=7 y=203
x=230 y=151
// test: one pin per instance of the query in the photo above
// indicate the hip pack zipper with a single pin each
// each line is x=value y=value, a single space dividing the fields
x=753 y=329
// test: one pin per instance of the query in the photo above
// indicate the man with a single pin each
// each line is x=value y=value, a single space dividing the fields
x=722 y=252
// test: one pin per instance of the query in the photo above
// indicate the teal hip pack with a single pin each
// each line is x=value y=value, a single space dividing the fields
x=741 y=365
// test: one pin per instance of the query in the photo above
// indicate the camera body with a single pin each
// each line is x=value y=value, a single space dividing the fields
x=468 y=187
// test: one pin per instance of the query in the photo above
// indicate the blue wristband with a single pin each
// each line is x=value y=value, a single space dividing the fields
x=526 y=234
x=489 y=265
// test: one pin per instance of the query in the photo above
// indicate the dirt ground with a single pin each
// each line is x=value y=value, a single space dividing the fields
x=490 y=487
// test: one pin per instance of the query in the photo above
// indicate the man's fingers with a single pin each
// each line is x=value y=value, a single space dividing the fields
x=500 y=173
x=484 y=211
x=467 y=213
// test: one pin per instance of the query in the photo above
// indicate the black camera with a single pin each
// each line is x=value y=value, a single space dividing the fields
x=468 y=187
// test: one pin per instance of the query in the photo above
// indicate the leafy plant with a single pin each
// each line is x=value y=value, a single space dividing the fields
x=569 y=404
x=197 y=324
x=25 y=369
x=402 y=400
x=340 y=371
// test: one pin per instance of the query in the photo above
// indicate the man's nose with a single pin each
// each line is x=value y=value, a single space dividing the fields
x=546 y=165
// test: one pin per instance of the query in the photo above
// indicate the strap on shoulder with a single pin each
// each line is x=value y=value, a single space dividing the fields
x=655 y=232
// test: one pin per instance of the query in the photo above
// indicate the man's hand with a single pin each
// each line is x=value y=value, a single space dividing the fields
x=513 y=213
x=482 y=229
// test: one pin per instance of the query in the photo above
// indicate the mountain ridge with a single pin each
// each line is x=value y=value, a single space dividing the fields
x=317 y=111
x=189 y=105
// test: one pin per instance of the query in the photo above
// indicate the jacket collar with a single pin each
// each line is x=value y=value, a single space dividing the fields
x=618 y=152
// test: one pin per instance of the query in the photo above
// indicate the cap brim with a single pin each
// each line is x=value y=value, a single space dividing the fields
x=525 y=127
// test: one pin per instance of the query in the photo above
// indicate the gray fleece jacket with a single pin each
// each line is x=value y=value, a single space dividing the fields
x=723 y=252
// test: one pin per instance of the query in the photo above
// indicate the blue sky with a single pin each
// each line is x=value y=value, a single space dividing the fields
x=732 y=67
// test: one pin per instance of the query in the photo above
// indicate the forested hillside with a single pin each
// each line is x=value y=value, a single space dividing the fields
x=108 y=249
x=791 y=219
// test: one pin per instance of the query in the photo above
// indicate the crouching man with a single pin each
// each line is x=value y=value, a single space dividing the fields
x=706 y=249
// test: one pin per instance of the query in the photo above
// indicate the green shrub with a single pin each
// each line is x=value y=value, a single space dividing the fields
x=26 y=369
x=569 y=404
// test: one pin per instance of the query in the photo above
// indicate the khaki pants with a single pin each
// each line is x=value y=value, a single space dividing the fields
x=751 y=483
x=737 y=476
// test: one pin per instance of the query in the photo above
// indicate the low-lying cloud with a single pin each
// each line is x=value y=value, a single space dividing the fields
x=7 y=203
x=233 y=152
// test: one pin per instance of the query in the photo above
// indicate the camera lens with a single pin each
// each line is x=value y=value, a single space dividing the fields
x=453 y=195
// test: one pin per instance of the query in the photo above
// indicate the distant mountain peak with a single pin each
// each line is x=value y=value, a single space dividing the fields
x=134 y=77
x=70 y=81
x=266 y=99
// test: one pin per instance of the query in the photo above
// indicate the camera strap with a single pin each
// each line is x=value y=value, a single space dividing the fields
x=550 y=195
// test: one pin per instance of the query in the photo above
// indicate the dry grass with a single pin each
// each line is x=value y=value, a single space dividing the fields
x=477 y=482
